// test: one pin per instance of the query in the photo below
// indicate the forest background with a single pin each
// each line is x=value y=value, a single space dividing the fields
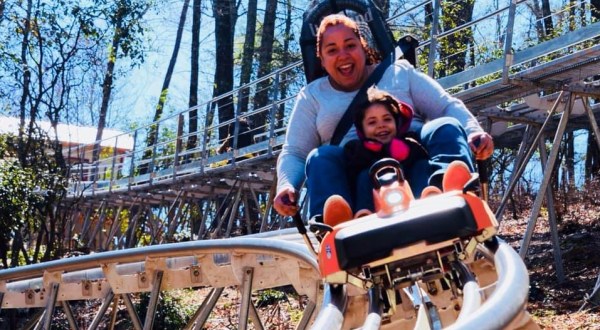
x=128 y=63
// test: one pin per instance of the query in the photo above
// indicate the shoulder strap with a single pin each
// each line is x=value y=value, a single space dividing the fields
x=346 y=122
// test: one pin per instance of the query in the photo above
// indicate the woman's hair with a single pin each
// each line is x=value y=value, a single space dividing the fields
x=336 y=19
x=401 y=111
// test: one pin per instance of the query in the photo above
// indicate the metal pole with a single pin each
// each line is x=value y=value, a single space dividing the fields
x=153 y=304
x=246 y=297
x=521 y=168
x=508 y=53
x=69 y=313
x=50 y=304
x=105 y=303
x=135 y=319
x=434 y=30
x=537 y=204
x=552 y=220
x=201 y=315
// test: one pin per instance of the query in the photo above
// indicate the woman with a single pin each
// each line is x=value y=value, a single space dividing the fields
x=446 y=128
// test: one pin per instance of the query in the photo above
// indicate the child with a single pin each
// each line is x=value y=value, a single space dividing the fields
x=381 y=124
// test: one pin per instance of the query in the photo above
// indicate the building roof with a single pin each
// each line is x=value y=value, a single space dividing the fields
x=72 y=134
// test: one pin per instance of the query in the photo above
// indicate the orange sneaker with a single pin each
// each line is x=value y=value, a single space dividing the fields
x=430 y=191
x=456 y=177
x=362 y=213
x=336 y=211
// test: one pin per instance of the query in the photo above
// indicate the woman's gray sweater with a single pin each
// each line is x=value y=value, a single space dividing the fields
x=319 y=107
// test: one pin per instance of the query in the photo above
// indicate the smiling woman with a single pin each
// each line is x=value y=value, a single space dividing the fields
x=441 y=122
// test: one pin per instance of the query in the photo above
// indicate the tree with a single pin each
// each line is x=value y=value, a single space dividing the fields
x=286 y=58
x=153 y=133
x=384 y=5
x=225 y=14
x=595 y=9
x=248 y=53
x=543 y=15
x=194 y=74
x=265 y=56
x=124 y=18
x=453 y=47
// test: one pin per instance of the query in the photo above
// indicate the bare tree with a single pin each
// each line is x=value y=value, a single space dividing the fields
x=286 y=58
x=384 y=5
x=225 y=15
x=26 y=28
x=153 y=133
x=265 y=56
x=194 y=74
x=248 y=53
x=124 y=19
x=543 y=15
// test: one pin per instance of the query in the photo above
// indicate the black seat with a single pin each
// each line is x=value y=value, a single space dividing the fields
x=432 y=220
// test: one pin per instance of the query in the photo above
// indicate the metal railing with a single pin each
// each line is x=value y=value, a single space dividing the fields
x=179 y=151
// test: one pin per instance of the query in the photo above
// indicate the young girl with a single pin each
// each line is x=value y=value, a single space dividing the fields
x=382 y=124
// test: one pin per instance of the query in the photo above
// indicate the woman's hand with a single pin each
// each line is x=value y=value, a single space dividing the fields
x=285 y=202
x=482 y=145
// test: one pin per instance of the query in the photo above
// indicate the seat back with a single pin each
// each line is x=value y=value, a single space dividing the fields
x=363 y=11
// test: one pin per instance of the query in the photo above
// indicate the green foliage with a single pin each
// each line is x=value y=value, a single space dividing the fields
x=269 y=297
x=28 y=189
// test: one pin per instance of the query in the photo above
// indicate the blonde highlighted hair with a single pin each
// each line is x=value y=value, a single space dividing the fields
x=339 y=19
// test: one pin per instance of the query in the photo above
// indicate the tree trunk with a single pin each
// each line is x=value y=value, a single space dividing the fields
x=194 y=74
x=384 y=5
x=570 y=161
x=153 y=134
x=286 y=59
x=2 y=6
x=595 y=4
x=456 y=43
x=26 y=82
x=539 y=26
x=547 y=14
x=265 y=56
x=592 y=158
x=248 y=54
x=224 y=12
x=107 y=84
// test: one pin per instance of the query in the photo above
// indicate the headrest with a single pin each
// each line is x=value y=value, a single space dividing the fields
x=362 y=11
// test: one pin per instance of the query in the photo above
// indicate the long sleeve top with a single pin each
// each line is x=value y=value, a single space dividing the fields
x=319 y=107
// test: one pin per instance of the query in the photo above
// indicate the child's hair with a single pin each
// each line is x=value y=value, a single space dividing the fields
x=401 y=111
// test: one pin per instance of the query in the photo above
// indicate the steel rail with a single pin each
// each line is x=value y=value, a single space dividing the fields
x=263 y=245
x=508 y=300
x=499 y=310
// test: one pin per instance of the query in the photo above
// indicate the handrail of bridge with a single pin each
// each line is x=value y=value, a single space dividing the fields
x=178 y=152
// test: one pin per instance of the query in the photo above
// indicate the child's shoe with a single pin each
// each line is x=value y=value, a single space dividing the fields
x=362 y=213
x=456 y=177
x=336 y=211
x=430 y=191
